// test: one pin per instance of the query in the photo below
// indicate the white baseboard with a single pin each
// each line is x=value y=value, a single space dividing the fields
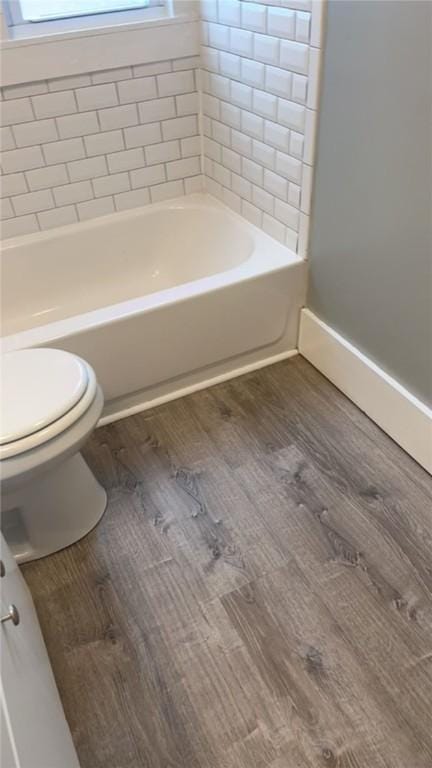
x=398 y=412
x=173 y=390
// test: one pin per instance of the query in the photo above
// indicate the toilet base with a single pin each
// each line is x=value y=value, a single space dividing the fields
x=53 y=510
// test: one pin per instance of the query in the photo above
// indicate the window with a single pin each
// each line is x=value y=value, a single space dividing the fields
x=27 y=11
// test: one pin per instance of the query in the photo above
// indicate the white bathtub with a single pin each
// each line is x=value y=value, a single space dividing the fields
x=159 y=300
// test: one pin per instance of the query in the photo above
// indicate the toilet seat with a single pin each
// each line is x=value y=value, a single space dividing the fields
x=44 y=391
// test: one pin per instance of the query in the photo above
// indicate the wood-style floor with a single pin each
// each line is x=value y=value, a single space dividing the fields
x=258 y=593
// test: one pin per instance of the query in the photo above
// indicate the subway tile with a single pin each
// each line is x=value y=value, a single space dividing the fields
x=241 y=95
x=73 y=193
x=136 y=198
x=162 y=153
x=230 y=114
x=292 y=115
x=7 y=140
x=54 y=104
x=210 y=58
x=118 y=117
x=231 y=160
x=187 y=104
x=58 y=217
x=22 y=159
x=229 y=12
x=310 y=137
x=263 y=200
x=253 y=17
x=317 y=23
x=203 y=32
x=212 y=187
x=94 y=208
x=229 y=64
x=251 y=213
x=205 y=122
x=211 y=106
x=209 y=10
x=252 y=124
x=109 y=185
x=12 y=184
x=208 y=167
x=218 y=36
x=241 y=143
x=274 y=228
x=294 y=192
x=25 y=89
x=232 y=200
x=281 y=23
x=111 y=75
x=194 y=184
x=306 y=189
x=276 y=135
x=291 y=240
x=16 y=111
x=252 y=72
x=137 y=89
x=69 y=82
x=266 y=49
x=186 y=62
x=96 y=97
x=275 y=184
x=32 y=202
x=294 y=56
x=158 y=109
x=152 y=68
x=175 y=83
x=222 y=175
x=179 y=128
x=20 y=225
x=45 y=178
x=252 y=171
x=241 y=42
x=166 y=191
x=265 y=104
x=37 y=132
x=126 y=161
x=288 y=166
x=104 y=142
x=278 y=81
x=140 y=135
x=241 y=186
x=287 y=214
x=179 y=169
x=219 y=86
x=212 y=149
x=264 y=154
x=302 y=32
x=77 y=125
x=299 y=88
x=145 y=177
x=190 y=146
x=6 y=210
x=296 y=144
x=221 y=133
x=90 y=168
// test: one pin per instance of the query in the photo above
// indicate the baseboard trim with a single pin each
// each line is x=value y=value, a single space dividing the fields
x=396 y=410
x=145 y=400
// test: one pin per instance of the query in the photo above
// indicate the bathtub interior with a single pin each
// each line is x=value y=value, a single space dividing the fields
x=75 y=269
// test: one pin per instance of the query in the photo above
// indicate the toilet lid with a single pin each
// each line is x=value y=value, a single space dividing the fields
x=38 y=386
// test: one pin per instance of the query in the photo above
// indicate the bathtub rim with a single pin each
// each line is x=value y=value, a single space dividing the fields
x=252 y=268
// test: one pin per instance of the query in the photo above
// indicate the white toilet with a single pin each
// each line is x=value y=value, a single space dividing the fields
x=50 y=404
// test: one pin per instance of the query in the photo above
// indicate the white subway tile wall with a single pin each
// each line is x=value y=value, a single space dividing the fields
x=78 y=147
x=74 y=148
x=260 y=82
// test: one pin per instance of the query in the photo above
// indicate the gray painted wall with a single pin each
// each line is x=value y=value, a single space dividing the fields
x=371 y=238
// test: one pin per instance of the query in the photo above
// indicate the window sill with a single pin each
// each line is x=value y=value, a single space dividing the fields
x=77 y=50
x=89 y=26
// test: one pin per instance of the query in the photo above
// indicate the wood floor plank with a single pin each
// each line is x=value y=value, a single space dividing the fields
x=258 y=593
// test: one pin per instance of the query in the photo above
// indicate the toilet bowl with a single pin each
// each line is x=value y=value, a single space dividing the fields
x=50 y=404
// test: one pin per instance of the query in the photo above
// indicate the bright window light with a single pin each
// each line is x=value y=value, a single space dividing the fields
x=46 y=10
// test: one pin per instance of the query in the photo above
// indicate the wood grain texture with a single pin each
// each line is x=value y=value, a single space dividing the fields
x=258 y=593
